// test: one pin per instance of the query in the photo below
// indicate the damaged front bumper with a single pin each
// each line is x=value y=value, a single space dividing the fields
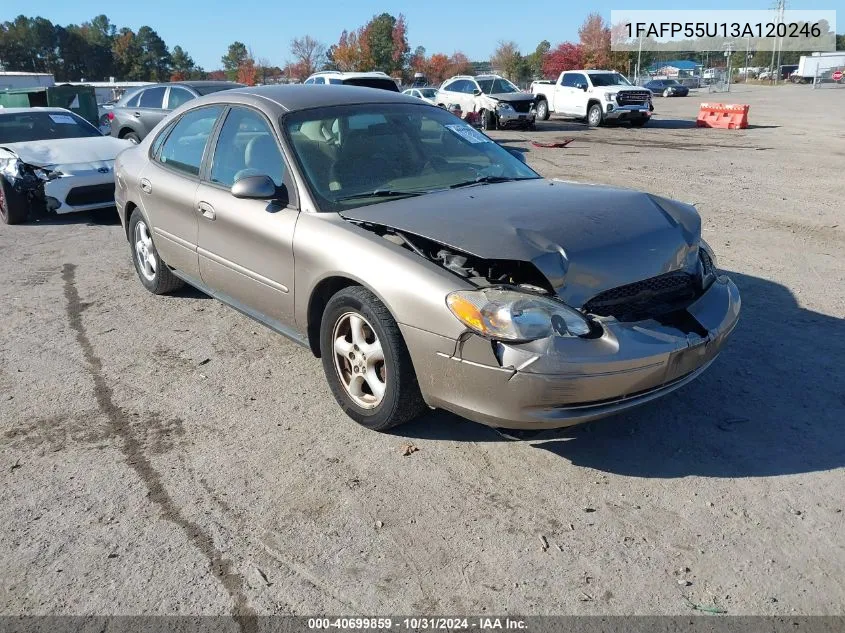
x=558 y=382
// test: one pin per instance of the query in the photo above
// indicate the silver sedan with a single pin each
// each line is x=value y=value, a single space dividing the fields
x=426 y=265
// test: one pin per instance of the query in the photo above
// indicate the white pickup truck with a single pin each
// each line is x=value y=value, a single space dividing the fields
x=594 y=95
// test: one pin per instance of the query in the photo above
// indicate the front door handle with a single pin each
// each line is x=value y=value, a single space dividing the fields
x=146 y=186
x=137 y=115
x=206 y=210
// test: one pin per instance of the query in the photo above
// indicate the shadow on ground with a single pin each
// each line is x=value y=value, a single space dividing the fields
x=772 y=404
x=100 y=217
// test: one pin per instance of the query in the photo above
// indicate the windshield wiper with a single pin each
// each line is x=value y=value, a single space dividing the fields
x=488 y=180
x=380 y=193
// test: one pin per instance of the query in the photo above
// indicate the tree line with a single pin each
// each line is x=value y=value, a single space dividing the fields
x=97 y=49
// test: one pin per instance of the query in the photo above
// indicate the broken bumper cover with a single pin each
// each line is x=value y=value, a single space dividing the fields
x=558 y=382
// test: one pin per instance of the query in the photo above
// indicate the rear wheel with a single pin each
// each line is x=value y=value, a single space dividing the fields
x=366 y=362
x=14 y=207
x=152 y=271
x=594 y=115
x=131 y=136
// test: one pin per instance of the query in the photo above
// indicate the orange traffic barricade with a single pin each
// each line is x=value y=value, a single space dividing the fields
x=728 y=116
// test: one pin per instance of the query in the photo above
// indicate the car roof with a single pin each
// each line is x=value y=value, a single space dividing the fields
x=336 y=73
x=189 y=84
x=303 y=97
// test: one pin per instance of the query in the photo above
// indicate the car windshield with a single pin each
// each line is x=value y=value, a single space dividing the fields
x=496 y=86
x=207 y=90
x=608 y=79
x=356 y=155
x=23 y=127
x=428 y=93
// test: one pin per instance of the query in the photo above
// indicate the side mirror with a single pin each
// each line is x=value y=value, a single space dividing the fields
x=259 y=188
x=584 y=87
x=517 y=154
x=476 y=92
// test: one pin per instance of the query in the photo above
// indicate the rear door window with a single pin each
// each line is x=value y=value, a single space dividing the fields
x=152 y=98
x=177 y=97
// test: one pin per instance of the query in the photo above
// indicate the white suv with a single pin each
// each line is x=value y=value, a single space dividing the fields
x=498 y=102
x=367 y=80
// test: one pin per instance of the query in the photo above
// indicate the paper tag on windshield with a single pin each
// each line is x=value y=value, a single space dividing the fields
x=468 y=133
x=63 y=118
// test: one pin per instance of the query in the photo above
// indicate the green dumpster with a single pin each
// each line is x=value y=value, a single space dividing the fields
x=78 y=99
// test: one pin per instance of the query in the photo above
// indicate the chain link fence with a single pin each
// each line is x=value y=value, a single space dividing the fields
x=830 y=77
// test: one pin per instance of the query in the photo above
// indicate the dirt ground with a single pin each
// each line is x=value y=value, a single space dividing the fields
x=168 y=455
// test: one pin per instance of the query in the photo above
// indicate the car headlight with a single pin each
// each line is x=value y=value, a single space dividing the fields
x=503 y=106
x=510 y=315
x=608 y=96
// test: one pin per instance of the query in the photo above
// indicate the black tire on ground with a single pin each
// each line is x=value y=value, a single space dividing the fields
x=162 y=280
x=595 y=116
x=639 y=122
x=131 y=136
x=543 y=110
x=488 y=120
x=14 y=207
x=402 y=400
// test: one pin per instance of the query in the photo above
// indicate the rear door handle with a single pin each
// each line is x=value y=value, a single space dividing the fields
x=146 y=186
x=206 y=210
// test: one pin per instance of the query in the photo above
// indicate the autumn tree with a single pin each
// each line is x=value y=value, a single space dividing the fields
x=534 y=61
x=347 y=54
x=566 y=56
x=310 y=54
x=182 y=64
x=385 y=43
x=234 y=58
x=594 y=36
x=247 y=72
x=509 y=61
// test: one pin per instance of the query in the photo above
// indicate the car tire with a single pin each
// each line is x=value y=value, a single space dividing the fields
x=488 y=120
x=667 y=93
x=595 y=115
x=14 y=207
x=532 y=126
x=355 y=322
x=638 y=122
x=132 y=137
x=543 y=110
x=152 y=271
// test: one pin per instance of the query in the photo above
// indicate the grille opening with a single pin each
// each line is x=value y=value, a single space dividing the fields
x=646 y=299
x=91 y=194
x=522 y=106
x=683 y=321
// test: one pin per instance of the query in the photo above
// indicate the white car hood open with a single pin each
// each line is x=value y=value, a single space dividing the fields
x=68 y=151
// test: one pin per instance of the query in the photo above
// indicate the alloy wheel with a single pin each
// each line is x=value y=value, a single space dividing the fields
x=359 y=360
x=145 y=251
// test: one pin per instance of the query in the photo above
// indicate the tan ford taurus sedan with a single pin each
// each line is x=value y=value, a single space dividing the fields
x=425 y=264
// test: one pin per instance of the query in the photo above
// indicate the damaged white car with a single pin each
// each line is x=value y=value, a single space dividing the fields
x=53 y=161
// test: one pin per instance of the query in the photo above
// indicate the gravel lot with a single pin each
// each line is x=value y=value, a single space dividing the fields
x=168 y=455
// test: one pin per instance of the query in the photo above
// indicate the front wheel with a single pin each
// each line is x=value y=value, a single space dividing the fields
x=132 y=138
x=488 y=120
x=14 y=207
x=153 y=273
x=366 y=362
x=667 y=93
x=594 y=115
x=543 y=110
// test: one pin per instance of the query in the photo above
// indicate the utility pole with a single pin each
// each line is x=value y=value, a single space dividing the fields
x=639 y=57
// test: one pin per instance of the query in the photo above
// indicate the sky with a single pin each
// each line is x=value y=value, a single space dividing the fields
x=205 y=28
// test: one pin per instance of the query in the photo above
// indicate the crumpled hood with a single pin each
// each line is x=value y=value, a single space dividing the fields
x=584 y=238
x=68 y=151
x=510 y=97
